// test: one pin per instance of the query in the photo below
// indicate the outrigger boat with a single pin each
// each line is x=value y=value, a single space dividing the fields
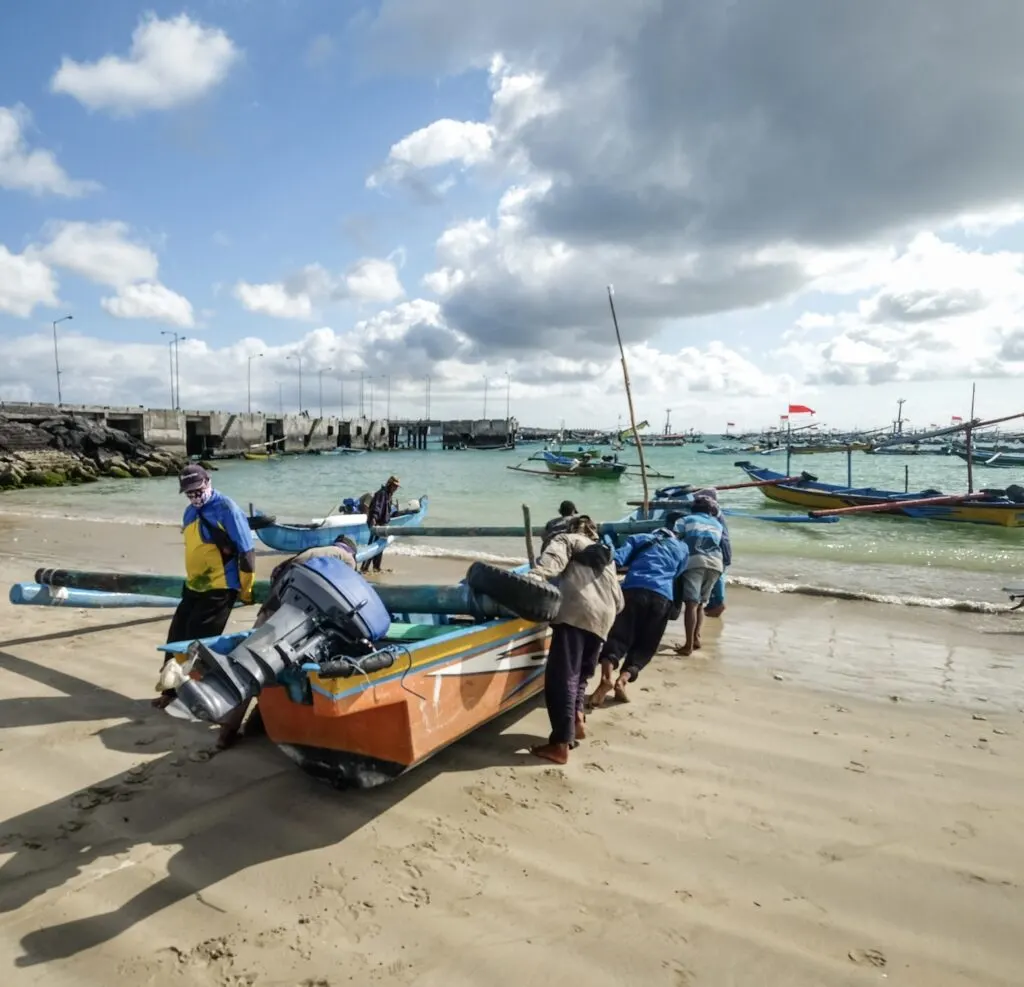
x=321 y=532
x=994 y=507
x=587 y=464
x=358 y=684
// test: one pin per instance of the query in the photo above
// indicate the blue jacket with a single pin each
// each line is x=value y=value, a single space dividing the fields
x=654 y=568
x=703 y=536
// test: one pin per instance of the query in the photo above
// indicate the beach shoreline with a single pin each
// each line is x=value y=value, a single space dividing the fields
x=829 y=792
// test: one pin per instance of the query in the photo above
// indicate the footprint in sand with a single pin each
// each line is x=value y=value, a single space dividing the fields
x=870 y=957
x=625 y=805
x=415 y=896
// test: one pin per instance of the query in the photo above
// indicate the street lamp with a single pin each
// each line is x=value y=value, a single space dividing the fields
x=388 y=414
x=341 y=397
x=252 y=356
x=298 y=357
x=56 y=357
x=320 y=375
x=428 y=398
x=176 y=396
x=362 y=386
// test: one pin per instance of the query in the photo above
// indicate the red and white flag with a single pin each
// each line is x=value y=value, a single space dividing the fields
x=784 y=418
x=957 y=418
x=800 y=409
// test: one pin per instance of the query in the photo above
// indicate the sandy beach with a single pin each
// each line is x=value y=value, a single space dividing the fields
x=831 y=793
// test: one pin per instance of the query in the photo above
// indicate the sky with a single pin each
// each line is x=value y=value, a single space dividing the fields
x=795 y=202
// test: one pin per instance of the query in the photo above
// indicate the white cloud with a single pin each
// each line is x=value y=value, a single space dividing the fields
x=150 y=300
x=373 y=280
x=274 y=300
x=942 y=312
x=101 y=252
x=25 y=282
x=25 y=169
x=442 y=142
x=300 y=296
x=517 y=100
x=170 y=63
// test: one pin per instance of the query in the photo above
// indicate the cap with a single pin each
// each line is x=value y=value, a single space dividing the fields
x=393 y=481
x=192 y=477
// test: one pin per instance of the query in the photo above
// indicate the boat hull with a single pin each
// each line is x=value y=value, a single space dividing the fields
x=365 y=731
x=595 y=469
x=823 y=496
x=297 y=538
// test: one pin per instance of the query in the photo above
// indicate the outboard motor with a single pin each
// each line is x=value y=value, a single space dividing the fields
x=329 y=616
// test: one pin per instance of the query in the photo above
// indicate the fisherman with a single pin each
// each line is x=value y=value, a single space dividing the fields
x=702 y=532
x=344 y=550
x=378 y=513
x=715 y=606
x=220 y=564
x=590 y=600
x=558 y=525
x=652 y=589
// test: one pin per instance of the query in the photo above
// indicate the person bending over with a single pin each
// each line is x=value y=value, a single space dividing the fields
x=702 y=532
x=591 y=598
x=652 y=589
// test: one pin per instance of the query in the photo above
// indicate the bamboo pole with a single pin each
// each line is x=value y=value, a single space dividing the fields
x=629 y=399
x=530 y=556
x=968 y=436
x=897 y=505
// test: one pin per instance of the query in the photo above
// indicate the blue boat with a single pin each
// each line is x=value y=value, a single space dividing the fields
x=325 y=531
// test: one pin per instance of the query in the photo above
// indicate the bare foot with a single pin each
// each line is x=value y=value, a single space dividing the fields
x=558 y=753
x=684 y=650
x=581 y=728
x=227 y=737
x=620 y=692
x=164 y=700
x=696 y=644
x=600 y=694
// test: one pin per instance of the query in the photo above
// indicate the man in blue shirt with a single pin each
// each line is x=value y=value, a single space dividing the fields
x=651 y=589
x=220 y=563
x=703 y=534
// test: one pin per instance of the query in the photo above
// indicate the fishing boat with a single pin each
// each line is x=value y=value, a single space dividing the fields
x=590 y=465
x=1004 y=460
x=325 y=531
x=357 y=684
x=260 y=457
x=995 y=508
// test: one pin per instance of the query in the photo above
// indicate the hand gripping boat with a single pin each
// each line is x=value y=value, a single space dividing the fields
x=357 y=698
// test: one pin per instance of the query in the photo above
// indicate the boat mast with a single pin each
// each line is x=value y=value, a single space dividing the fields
x=629 y=400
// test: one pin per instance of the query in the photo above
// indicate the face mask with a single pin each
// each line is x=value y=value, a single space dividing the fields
x=197 y=498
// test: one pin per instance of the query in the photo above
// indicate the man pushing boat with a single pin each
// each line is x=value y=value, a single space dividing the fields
x=378 y=514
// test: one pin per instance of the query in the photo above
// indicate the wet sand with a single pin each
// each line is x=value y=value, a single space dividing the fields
x=829 y=793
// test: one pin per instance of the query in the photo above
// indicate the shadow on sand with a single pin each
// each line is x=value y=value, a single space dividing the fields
x=222 y=813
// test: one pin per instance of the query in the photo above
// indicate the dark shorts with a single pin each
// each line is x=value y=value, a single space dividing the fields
x=201 y=614
x=638 y=629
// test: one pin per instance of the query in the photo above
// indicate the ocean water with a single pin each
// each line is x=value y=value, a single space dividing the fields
x=890 y=559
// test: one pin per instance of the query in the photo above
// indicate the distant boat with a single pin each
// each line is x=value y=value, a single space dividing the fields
x=321 y=532
x=1007 y=460
x=586 y=465
x=260 y=457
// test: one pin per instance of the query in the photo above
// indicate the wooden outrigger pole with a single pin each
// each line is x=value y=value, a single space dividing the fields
x=629 y=399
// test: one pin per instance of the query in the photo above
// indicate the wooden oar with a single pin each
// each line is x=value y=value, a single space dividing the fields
x=889 y=505
x=804 y=477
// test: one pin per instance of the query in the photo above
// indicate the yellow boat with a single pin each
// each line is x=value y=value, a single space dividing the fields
x=999 y=511
x=260 y=456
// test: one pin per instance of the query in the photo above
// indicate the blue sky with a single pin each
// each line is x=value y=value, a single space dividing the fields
x=412 y=187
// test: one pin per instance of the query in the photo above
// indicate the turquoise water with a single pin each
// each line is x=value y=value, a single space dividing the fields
x=888 y=557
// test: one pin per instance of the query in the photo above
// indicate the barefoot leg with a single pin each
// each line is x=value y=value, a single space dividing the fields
x=698 y=624
x=600 y=694
x=690 y=626
x=557 y=753
x=580 y=729
x=620 y=687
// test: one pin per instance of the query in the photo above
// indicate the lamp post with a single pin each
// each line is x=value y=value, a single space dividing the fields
x=280 y=398
x=248 y=380
x=371 y=379
x=485 y=399
x=298 y=358
x=388 y=413
x=362 y=387
x=320 y=376
x=170 y=363
x=508 y=397
x=341 y=396
x=428 y=398
x=56 y=357
x=176 y=396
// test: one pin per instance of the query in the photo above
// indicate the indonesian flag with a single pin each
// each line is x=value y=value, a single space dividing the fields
x=784 y=418
x=730 y=424
x=800 y=409
x=957 y=418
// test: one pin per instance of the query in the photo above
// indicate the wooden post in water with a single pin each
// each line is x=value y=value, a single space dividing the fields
x=530 y=556
x=629 y=400
x=970 y=445
x=906 y=478
x=849 y=467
